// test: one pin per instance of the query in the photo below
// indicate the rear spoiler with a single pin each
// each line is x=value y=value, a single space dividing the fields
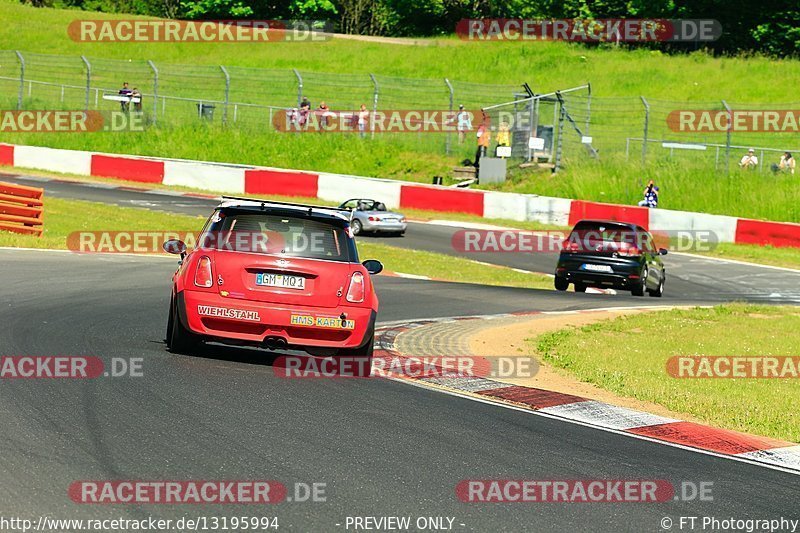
x=310 y=207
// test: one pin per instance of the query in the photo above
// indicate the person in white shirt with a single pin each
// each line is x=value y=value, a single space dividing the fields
x=787 y=163
x=363 y=116
x=749 y=161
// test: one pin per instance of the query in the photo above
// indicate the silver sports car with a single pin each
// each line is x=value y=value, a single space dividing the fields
x=372 y=216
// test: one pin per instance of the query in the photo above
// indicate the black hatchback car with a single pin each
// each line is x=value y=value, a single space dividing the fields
x=607 y=254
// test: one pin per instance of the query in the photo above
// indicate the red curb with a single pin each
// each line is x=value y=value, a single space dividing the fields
x=709 y=438
x=535 y=398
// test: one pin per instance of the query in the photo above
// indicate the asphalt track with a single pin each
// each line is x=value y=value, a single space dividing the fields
x=382 y=447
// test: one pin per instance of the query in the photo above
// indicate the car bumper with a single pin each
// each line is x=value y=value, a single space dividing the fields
x=394 y=227
x=256 y=321
x=593 y=279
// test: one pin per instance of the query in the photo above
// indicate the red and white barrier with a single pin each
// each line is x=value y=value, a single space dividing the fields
x=243 y=179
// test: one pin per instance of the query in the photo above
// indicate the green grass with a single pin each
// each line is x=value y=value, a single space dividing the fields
x=628 y=356
x=688 y=181
x=63 y=217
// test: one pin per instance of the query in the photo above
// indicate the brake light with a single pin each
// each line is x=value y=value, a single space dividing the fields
x=374 y=219
x=203 y=276
x=355 y=293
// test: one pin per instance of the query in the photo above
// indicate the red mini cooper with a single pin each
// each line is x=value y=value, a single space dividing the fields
x=274 y=275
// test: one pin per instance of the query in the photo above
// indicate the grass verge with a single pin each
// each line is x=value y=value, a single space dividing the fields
x=63 y=217
x=628 y=356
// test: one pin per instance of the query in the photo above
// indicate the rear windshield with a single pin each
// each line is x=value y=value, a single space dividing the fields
x=590 y=236
x=291 y=236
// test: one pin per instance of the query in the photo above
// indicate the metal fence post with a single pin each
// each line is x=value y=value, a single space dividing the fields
x=155 y=90
x=374 y=102
x=646 y=129
x=88 y=80
x=588 y=107
x=728 y=138
x=299 y=87
x=21 y=79
x=447 y=138
x=227 y=94
x=560 y=141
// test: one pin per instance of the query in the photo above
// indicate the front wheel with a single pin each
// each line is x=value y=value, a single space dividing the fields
x=659 y=292
x=179 y=339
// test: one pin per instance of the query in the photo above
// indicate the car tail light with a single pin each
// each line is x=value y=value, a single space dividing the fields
x=355 y=293
x=373 y=219
x=203 y=276
x=630 y=251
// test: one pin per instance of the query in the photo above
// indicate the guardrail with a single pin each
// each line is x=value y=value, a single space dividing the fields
x=21 y=209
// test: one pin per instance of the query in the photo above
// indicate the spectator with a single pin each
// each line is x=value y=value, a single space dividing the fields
x=464 y=124
x=650 y=196
x=323 y=113
x=484 y=135
x=137 y=106
x=749 y=161
x=293 y=117
x=503 y=137
x=787 y=163
x=302 y=117
x=363 y=116
x=125 y=104
x=305 y=103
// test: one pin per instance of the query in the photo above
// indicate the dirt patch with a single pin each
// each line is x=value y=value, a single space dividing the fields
x=509 y=339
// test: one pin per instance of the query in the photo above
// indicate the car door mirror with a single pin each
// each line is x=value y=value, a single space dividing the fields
x=373 y=266
x=174 y=246
x=662 y=251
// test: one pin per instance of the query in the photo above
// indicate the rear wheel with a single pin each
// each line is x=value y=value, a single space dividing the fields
x=580 y=287
x=179 y=339
x=356 y=226
x=363 y=355
x=638 y=290
x=561 y=284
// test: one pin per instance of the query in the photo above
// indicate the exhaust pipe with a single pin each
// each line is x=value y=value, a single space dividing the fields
x=275 y=343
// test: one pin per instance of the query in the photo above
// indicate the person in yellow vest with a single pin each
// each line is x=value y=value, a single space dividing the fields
x=503 y=138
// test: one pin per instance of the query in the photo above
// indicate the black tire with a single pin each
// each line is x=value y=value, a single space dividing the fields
x=580 y=287
x=639 y=289
x=400 y=234
x=561 y=284
x=659 y=292
x=356 y=226
x=179 y=339
x=363 y=370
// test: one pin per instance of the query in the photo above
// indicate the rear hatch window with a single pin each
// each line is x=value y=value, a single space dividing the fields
x=285 y=235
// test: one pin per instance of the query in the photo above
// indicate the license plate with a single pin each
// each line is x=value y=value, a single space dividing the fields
x=596 y=268
x=393 y=220
x=282 y=281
